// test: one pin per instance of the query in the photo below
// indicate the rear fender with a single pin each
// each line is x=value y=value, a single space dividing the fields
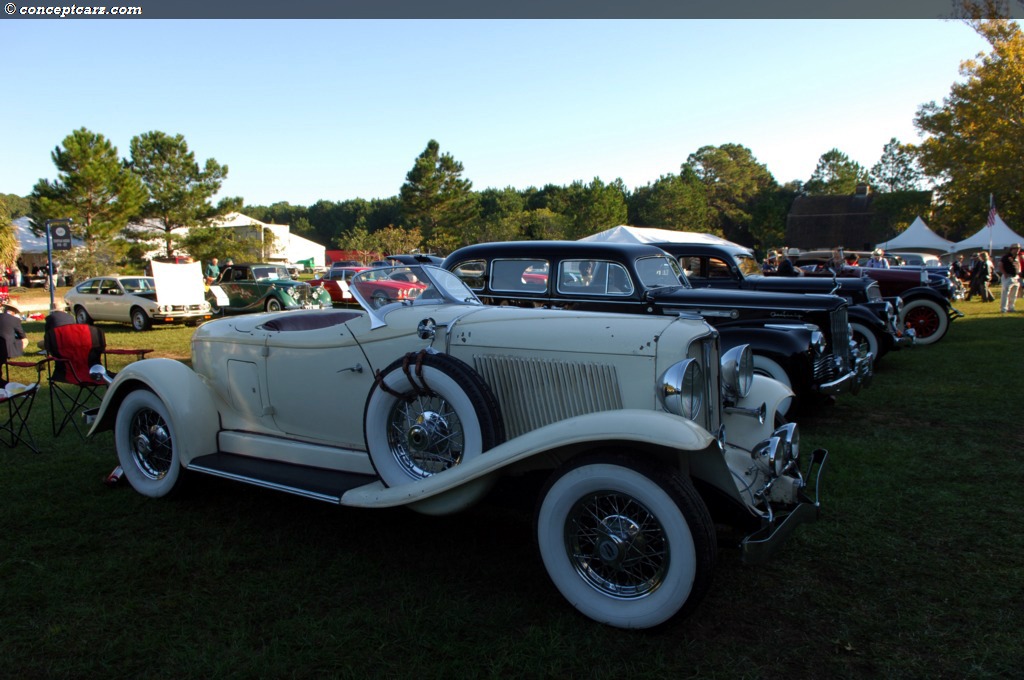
x=190 y=403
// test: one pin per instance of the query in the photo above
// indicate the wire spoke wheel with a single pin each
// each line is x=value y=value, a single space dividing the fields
x=425 y=435
x=616 y=545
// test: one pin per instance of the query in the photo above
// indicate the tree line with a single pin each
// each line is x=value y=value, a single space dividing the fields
x=971 y=149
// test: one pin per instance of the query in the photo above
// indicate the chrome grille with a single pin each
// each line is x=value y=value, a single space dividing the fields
x=713 y=389
x=826 y=367
x=537 y=392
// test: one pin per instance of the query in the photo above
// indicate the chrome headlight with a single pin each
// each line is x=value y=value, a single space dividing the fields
x=737 y=372
x=818 y=343
x=164 y=309
x=681 y=390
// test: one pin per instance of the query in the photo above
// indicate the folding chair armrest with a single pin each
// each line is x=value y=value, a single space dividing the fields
x=120 y=351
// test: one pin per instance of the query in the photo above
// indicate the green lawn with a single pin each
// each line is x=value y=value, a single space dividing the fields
x=916 y=569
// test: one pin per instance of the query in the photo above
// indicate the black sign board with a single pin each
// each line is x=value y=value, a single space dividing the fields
x=60 y=237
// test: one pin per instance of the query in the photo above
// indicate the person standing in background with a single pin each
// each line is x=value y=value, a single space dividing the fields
x=1009 y=270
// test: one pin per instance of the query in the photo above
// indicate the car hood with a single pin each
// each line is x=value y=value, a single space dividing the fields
x=712 y=297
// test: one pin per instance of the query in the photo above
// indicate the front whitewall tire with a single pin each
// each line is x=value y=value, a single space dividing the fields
x=628 y=545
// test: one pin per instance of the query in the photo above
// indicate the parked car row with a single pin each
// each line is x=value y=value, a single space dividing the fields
x=641 y=393
x=802 y=341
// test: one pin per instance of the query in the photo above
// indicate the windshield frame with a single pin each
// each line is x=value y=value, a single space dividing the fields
x=432 y=286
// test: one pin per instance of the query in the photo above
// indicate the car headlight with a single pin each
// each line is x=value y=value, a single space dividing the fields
x=681 y=390
x=818 y=342
x=737 y=372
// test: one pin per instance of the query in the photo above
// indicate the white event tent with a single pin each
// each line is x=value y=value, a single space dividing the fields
x=918 y=237
x=625 y=234
x=996 y=238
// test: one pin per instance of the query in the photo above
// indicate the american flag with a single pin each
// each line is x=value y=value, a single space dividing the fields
x=991 y=216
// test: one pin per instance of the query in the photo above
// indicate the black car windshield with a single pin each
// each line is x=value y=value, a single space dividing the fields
x=660 y=271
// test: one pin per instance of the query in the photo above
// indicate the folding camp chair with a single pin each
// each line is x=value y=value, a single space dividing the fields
x=16 y=406
x=72 y=350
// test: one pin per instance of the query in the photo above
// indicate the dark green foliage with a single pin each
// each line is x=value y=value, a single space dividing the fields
x=836 y=175
x=897 y=169
x=93 y=188
x=974 y=140
x=17 y=205
x=179 y=190
x=435 y=197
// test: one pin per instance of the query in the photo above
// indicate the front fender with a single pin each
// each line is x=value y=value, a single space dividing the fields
x=924 y=292
x=642 y=426
x=741 y=427
x=190 y=403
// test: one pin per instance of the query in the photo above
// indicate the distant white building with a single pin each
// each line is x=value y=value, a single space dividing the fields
x=287 y=247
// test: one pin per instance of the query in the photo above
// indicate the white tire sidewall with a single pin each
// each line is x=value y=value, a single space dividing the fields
x=657 y=607
x=943 y=320
x=769 y=367
x=132 y=404
x=379 y=408
x=869 y=337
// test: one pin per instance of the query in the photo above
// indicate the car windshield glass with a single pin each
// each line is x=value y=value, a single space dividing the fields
x=137 y=285
x=270 y=273
x=384 y=288
x=747 y=264
x=660 y=271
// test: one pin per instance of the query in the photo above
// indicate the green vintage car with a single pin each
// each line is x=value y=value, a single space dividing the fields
x=259 y=287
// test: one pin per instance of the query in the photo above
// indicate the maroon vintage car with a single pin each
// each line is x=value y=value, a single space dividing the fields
x=927 y=296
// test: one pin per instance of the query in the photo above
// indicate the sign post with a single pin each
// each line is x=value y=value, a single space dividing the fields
x=58 y=237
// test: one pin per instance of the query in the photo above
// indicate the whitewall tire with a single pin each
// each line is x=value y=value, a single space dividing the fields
x=145 y=442
x=627 y=544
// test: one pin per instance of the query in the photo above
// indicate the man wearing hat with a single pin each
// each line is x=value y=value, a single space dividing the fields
x=1009 y=270
x=877 y=260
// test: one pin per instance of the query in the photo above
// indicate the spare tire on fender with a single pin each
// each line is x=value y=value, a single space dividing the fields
x=428 y=412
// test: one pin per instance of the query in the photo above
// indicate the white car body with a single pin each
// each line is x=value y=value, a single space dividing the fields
x=580 y=396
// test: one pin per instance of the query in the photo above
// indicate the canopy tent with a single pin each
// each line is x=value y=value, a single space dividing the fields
x=28 y=242
x=625 y=234
x=917 y=237
x=997 y=238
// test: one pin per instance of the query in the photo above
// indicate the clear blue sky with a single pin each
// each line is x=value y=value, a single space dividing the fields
x=308 y=110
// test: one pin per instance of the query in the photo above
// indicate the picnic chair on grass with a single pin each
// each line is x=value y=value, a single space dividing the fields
x=16 y=401
x=72 y=352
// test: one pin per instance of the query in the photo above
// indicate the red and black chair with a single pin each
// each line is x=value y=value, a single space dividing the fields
x=72 y=350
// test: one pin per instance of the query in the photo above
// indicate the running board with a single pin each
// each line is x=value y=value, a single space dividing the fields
x=301 y=480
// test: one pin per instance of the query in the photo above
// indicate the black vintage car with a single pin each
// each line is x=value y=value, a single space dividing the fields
x=802 y=341
x=875 y=322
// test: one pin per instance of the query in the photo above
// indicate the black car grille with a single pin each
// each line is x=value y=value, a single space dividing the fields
x=826 y=367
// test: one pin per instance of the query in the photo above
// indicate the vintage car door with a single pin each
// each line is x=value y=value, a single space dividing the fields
x=318 y=380
x=109 y=302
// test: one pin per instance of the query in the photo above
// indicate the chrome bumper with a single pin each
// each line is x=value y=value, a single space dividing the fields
x=759 y=546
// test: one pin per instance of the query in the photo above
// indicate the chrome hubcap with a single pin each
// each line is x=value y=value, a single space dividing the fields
x=425 y=436
x=616 y=545
x=151 y=444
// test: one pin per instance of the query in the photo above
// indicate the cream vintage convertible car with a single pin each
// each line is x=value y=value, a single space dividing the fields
x=638 y=422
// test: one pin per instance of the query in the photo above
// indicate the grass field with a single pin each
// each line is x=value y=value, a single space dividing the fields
x=916 y=569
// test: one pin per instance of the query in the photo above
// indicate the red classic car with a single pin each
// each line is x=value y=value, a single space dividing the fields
x=390 y=285
x=336 y=282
